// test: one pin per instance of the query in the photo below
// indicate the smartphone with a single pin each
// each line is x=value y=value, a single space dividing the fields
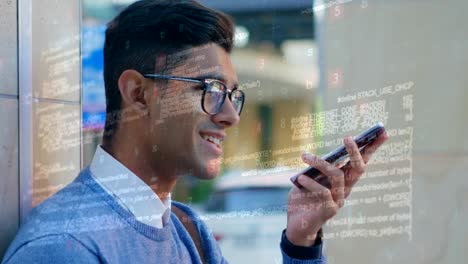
x=341 y=155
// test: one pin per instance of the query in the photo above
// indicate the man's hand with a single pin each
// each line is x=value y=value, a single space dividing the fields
x=310 y=207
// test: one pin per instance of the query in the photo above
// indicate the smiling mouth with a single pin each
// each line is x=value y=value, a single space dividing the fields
x=212 y=139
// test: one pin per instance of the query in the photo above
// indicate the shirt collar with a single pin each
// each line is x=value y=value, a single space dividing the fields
x=129 y=190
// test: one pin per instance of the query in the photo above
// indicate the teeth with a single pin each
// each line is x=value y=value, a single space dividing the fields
x=217 y=141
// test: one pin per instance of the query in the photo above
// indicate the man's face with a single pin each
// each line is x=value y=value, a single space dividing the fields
x=183 y=138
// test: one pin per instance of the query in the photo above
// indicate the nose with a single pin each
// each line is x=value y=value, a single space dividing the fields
x=228 y=116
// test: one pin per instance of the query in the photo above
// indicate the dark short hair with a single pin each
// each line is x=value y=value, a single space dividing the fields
x=147 y=29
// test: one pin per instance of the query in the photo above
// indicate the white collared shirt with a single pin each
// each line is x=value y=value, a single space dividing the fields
x=129 y=190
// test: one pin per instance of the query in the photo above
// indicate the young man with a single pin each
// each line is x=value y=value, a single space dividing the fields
x=171 y=95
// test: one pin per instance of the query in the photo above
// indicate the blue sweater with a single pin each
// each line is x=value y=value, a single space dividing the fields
x=83 y=224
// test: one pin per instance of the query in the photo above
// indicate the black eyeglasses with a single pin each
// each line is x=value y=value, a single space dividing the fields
x=214 y=93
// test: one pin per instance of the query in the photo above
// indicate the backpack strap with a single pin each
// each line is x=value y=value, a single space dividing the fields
x=191 y=228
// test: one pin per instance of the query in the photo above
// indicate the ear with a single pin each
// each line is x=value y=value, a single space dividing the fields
x=132 y=88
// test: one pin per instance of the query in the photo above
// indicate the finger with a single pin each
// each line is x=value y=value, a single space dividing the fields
x=313 y=173
x=314 y=188
x=335 y=176
x=342 y=163
x=322 y=194
x=356 y=161
x=349 y=179
x=370 y=149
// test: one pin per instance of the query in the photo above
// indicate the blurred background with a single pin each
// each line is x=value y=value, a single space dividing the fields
x=313 y=72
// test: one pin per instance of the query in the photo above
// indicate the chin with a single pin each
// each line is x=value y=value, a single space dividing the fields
x=213 y=168
x=209 y=170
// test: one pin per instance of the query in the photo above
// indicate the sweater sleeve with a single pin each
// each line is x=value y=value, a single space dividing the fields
x=301 y=255
x=289 y=260
x=52 y=249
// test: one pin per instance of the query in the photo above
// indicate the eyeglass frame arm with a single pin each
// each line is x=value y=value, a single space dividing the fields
x=171 y=77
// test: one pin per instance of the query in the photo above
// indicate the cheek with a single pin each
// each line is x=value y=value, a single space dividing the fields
x=176 y=118
x=194 y=99
x=178 y=101
x=185 y=128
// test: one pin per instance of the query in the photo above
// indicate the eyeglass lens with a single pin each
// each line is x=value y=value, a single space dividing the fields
x=215 y=95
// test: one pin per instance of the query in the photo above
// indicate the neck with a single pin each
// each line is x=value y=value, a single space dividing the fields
x=138 y=160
